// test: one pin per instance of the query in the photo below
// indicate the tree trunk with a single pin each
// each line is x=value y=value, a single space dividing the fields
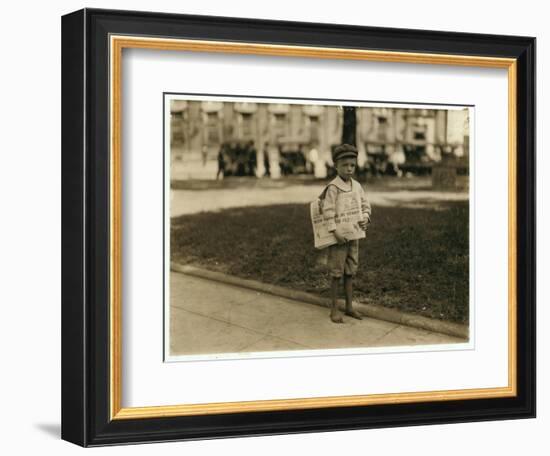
x=349 y=127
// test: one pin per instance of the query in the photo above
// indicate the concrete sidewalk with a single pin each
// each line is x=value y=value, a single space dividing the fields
x=209 y=317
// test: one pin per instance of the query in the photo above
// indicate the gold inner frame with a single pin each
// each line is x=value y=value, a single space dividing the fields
x=117 y=44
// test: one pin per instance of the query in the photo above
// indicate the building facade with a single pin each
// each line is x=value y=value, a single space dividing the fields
x=384 y=135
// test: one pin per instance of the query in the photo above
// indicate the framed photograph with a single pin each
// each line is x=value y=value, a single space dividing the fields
x=277 y=227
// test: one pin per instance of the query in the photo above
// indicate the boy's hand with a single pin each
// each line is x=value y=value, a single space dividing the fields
x=339 y=237
x=363 y=224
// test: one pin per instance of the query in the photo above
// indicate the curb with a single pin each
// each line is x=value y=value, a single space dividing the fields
x=369 y=310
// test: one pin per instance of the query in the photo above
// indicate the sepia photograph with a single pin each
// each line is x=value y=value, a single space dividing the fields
x=304 y=227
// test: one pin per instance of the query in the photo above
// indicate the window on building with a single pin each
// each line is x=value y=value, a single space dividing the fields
x=212 y=128
x=247 y=125
x=280 y=125
x=420 y=136
x=314 y=133
x=382 y=133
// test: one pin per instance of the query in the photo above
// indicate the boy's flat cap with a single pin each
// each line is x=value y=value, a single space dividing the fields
x=344 y=151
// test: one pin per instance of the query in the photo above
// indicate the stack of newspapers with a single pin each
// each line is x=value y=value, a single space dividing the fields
x=348 y=216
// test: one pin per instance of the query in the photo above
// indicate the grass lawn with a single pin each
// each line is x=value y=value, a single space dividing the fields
x=414 y=260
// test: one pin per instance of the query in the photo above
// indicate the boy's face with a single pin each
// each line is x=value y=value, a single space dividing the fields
x=345 y=167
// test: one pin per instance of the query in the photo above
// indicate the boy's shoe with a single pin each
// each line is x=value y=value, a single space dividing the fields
x=336 y=316
x=353 y=314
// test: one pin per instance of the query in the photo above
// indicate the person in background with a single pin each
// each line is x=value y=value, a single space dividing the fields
x=204 y=155
x=267 y=165
x=252 y=159
x=221 y=162
x=312 y=158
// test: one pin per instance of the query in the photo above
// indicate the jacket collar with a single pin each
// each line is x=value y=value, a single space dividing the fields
x=341 y=185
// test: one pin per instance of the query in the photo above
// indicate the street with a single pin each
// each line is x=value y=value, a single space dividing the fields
x=184 y=202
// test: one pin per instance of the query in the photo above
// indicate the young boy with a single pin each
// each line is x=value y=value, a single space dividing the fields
x=343 y=258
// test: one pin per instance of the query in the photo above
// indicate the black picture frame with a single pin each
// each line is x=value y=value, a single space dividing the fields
x=86 y=355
